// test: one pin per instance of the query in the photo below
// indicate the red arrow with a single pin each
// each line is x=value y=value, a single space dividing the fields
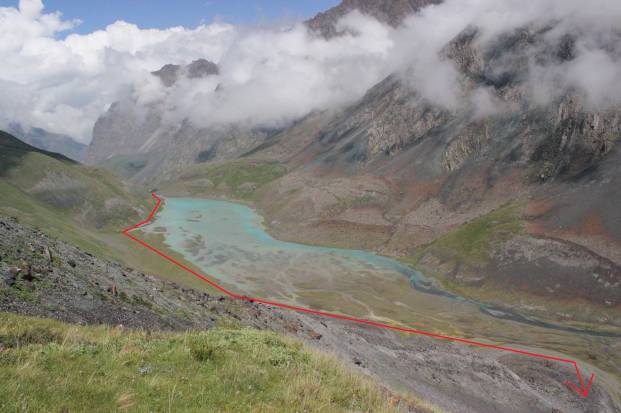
x=582 y=390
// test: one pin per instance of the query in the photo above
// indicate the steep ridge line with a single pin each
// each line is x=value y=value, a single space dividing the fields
x=581 y=388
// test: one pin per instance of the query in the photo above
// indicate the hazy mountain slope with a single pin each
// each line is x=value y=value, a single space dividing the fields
x=51 y=142
x=84 y=205
x=514 y=207
x=90 y=196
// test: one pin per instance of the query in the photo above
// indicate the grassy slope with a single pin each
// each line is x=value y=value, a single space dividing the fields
x=64 y=197
x=241 y=180
x=89 y=196
x=470 y=247
x=49 y=366
x=68 y=201
x=473 y=242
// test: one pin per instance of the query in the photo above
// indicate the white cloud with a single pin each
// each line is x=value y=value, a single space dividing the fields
x=272 y=76
x=595 y=71
x=63 y=85
x=268 y=76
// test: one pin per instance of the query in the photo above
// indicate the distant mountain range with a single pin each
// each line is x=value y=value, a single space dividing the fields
x=52 y=142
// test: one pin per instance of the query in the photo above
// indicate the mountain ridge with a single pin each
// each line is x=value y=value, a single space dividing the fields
x=391 y=12
x=51 y=142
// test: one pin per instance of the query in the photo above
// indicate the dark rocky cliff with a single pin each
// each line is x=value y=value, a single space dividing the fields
x=391 y=12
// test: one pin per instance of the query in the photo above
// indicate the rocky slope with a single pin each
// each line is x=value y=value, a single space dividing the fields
x=170 y=74
x=391 y=12
x=127 y=129
x=135 y=141
x=43 y=276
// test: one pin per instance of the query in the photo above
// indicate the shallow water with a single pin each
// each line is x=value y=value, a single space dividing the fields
x=223 y=238
x=229 y=243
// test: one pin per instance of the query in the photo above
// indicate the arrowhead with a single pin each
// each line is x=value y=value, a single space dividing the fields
x=582 y=389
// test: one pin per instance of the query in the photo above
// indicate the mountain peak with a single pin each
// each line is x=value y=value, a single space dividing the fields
x=391 y=12
x=169 y=74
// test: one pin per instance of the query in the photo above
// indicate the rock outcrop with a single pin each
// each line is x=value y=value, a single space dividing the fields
x=169 y=74
x=137 y=134
x=391 y=12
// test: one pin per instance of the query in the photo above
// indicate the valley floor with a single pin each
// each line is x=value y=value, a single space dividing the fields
x=455 y=378
x=434 y=375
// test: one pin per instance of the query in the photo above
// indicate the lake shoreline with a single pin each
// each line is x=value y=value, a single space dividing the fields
x=417 y=280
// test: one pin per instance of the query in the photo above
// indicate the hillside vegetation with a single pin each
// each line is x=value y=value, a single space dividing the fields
x=39 y=179
x=83 y=205
x=240 y=180
x=49 y=366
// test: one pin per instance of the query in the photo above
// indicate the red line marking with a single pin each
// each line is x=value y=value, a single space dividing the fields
x=581 y=389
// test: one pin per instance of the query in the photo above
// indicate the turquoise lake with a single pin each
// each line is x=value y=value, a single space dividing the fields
x=228 y=241
x=225 y=238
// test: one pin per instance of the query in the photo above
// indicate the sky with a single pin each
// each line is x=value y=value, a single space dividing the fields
x=161 y=14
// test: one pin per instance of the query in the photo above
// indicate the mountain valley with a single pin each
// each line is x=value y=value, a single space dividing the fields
x=399 y=205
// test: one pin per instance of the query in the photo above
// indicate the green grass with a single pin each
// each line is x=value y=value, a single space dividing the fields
x=235 y=179
x=49 y=366
x=69 y=224
x=126 y=165
x=474 y=241
x=92 y=196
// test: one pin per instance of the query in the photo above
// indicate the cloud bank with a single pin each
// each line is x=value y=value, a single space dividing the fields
x=63 y=85
x=271 y=76
x=594 y=69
